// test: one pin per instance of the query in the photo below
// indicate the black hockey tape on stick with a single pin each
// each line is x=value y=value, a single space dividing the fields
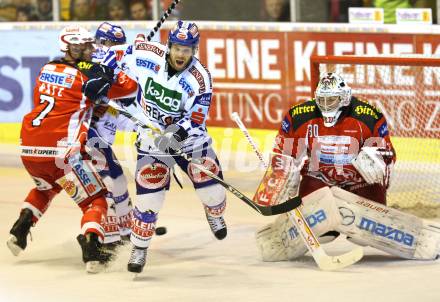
x=162 y=19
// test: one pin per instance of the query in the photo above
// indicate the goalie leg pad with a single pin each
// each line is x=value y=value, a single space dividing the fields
x=369 y=223
x=280 y=240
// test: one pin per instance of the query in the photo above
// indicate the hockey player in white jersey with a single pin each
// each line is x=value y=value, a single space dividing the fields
x=174 y=93
x=105 y=122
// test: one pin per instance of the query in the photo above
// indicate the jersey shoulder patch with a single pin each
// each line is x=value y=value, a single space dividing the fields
x=154 y=47
x=302 y=113
x=365 y=113
x=201 y=76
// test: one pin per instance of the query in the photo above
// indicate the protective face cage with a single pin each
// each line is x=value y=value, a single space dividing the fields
x=331 y=94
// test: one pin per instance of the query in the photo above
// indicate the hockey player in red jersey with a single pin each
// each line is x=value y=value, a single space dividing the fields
x=334 y=140
x=53 y=137
x=331 y=131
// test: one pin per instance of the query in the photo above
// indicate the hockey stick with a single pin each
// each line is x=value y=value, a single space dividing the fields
x=162 y=19
x=324 y=261
x=263 y=210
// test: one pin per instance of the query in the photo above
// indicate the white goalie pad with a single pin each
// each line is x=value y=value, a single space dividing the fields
x=370 y=164
x=281 y=241
x=369 y=223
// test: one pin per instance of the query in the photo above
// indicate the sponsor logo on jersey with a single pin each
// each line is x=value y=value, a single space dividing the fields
x=285 y=125
x=388 y=232
x=84 y=65
x=147 y=64
x=199 y=77
x=383 y=130
x=154 y=113
x=366 y=110
x=167 y=99
x=57 y=78
x=334 y=139
x=297 y=110
x=335 y=159
x=186 y=87
x=150 y=47
x=198 y=114
x=203 y=99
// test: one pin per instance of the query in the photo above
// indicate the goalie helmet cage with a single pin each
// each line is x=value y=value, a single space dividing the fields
x=406 y=89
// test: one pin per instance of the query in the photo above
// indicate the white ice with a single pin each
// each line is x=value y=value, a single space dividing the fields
x=188 y=263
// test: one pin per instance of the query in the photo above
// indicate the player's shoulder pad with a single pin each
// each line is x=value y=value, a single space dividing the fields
x=302 y=113
x=365 y=112
x=153 y=47
x=199 y=76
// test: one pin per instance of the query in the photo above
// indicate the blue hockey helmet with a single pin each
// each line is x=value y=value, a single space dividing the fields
x=110 y=32
x=184 y=33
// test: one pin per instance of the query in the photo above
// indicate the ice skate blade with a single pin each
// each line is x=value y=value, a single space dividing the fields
x=12 y=245
x=93 y=267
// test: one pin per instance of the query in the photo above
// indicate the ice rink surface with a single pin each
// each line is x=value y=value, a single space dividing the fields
x=188 y=263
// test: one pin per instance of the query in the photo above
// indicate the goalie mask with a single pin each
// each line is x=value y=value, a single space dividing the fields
x=331 y=95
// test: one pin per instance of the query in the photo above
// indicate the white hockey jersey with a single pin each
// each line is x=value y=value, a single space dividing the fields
x=183 y=99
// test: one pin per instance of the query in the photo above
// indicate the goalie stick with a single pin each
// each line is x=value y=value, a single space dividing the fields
x=263 y=210
x=324 y=261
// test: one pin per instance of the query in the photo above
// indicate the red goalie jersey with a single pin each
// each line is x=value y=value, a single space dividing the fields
x=62 y=112
x=330 y=150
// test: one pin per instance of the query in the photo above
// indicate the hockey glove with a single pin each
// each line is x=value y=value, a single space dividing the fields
x=172 y=140
x=371 y=165
x=101 y=71
x=96 y=89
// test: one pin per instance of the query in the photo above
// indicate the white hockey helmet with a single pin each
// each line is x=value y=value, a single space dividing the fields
x=74 y=35
x=331 y=94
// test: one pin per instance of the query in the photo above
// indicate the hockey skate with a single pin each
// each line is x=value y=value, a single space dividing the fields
x=137 y=260
x=217 y=225
x=19 y=232
x=92 y=254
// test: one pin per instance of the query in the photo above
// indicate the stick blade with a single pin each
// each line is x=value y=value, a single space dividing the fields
x=332 y=263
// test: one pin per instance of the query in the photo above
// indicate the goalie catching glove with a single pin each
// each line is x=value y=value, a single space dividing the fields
x=371 y=165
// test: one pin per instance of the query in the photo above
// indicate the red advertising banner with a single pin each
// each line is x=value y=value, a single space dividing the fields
x=261 y=74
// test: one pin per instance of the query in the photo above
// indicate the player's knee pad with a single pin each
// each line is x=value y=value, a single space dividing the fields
x=212 y=195
x=369 y=223
x=281 y=240
x=150 y=202
x=119 y=186
x=93 y=215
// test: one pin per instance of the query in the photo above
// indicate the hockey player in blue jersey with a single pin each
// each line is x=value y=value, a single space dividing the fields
x=105 y=122
x=175 y=92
